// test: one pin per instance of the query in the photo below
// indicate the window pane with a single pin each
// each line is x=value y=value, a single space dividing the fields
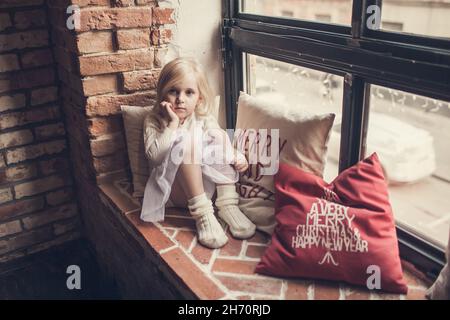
x=426 y=17
x=411 y=135
x=326 y=11
x=310 y=90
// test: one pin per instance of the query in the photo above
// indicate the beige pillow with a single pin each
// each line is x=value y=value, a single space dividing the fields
x=133 y=119
x=303 y=140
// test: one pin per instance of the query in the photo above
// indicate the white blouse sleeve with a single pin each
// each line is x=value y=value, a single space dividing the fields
x=156 y=143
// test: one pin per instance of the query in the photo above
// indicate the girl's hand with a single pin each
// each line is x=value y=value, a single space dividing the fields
x=174 y=121
x=240 y=163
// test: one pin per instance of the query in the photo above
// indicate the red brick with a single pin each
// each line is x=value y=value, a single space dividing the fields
x=110 y=163
x=54 y=165
x=21 y=207
x=161 y=36
x=44 y=95
x=133 y=38
x=35 y=151
x=162 y=15
x=12 y=102
x=232 y=248
x=185 y=238
x=22 y=3
x=15 y=119
x=202 y=254
x=35 y=58
x=70 y=236
x=255 y=251
x=260 y=237
x=62 y=227
x=64 y=38
x=110 y=104
x=20 y=172
x=101 y=19
x=22 y=40
x=9 y=228
x=146 y=2
x=187 y=273
x=50 y=215
x=257 y=285
x=49 y=131
x=39 y=186
x=29 y=19
x=117 y=62
x=108 y=144
x=90 y=42
x=59 y=196
x=100 y=84
x=175 y=222
x=297 y=290
x=25 y=239
x=5 y=195
x=84 y=3
x=234 y=266
x=140 y=80
x=5 y=21
x=100 y=126
x=326 y=291
x=27 y=79
x=66 y=59
x=8 y=62
x=15 y=138
x=122 y=3
x=155 y=238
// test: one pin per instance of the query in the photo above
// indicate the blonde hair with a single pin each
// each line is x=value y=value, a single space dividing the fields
x=173 y=73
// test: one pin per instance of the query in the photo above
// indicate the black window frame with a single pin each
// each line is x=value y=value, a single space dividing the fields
x=412 y=63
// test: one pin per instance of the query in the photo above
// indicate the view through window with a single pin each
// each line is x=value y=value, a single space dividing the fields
x=423 y=17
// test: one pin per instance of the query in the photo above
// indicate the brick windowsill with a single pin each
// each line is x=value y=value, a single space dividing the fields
x=226 y=273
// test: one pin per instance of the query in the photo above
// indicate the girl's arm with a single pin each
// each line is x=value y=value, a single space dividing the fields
x=157 y=143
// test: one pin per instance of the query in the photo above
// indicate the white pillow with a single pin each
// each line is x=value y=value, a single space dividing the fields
x=303 y=139
x=133 y=119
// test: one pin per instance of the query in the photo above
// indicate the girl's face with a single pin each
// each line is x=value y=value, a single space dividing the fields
x=184 y=97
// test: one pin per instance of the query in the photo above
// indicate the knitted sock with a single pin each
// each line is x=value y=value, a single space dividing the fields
x=227 y=203
x=209 y=230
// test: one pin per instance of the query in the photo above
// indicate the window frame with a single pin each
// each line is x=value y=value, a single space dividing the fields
x=414 y=64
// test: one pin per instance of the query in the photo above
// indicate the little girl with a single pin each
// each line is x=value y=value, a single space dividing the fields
x=183 y=105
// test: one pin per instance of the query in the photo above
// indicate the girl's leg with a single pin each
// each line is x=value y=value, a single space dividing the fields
x=227 y=202
x=188 y=180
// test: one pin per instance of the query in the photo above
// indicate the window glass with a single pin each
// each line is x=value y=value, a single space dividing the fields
x=326 y=11
x=411 y=135
x=425 y=17
x=310 y=90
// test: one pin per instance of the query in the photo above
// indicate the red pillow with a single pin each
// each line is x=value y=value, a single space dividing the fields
x=335 y=231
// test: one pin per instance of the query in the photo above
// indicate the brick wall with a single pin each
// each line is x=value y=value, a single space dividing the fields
x=37 y=208
x=114 y=58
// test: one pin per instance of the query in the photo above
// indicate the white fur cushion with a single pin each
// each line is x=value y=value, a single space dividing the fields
x=303 y=140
